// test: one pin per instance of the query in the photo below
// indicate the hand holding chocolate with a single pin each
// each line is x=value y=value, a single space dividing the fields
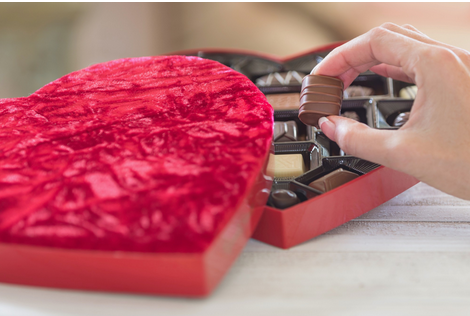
x=320 y=96
x=442 y=73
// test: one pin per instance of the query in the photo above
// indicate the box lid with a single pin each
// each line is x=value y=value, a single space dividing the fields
x=136 y=175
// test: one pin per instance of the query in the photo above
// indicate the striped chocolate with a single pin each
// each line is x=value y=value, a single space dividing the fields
x=320 y=96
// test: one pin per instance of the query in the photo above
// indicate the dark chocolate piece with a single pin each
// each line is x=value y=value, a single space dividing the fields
x=285 y=131
x=357 y=91
x=284 y=198
x=320 y=96
x=401 y=119
x=289 y=78
x=333 y=180
x=352 y=115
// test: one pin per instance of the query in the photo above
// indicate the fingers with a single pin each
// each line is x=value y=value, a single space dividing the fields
x=379 y=45
x=414 y=29
x=392 y=72
x=359 y=140
x=412 y=32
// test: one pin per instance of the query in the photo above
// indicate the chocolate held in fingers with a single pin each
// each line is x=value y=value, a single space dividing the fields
x=329 y=90
x=321 y=80
x=310 y=113
x=320 y=96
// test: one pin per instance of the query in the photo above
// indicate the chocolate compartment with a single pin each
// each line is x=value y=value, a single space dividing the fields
x=388 y=110
x=361 y=106
x=282 y=185
x=308 y=150
x=300 y=184
x=327 y=146
x=355 y=165
x=368 y=79
x=398 y=85
x=292 y=115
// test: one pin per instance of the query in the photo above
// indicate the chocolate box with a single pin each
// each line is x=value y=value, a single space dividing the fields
x=371 y=99
x=196 y=274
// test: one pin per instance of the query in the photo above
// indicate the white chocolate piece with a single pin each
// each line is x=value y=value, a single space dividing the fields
x=357 y=91
x=286 y=166
x=409 y=92
x=352 y=115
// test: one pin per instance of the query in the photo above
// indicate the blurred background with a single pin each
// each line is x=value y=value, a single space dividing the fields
x=40 y=42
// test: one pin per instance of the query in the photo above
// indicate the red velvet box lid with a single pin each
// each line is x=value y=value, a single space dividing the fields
x=138 y=175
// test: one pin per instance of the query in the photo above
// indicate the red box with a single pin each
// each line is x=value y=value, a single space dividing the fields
x=304 y=221
x=292 y=226
x=115 y=249
x=195 y=274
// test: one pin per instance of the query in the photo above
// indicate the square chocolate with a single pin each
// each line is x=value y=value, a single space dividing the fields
x=285 y=131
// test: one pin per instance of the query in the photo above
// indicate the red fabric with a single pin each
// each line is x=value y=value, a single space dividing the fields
x=144 y=154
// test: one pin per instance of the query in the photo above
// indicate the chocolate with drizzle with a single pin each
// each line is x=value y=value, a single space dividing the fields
x=320 y=96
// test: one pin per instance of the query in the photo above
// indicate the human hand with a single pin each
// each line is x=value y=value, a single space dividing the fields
x=434 y=145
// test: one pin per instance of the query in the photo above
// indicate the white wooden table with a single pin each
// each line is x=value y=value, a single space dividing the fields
x=410 y=256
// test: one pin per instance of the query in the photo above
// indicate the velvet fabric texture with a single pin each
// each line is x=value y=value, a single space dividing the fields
x=147 y=154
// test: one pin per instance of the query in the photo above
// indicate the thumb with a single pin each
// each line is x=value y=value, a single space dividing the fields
x=360 y=140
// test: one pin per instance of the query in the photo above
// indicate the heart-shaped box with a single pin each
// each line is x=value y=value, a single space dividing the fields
x=318 y=212
x=142 y=175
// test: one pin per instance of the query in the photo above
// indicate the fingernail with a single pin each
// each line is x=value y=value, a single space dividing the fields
x=313 y=70
x=316 y=66
x=322 y=120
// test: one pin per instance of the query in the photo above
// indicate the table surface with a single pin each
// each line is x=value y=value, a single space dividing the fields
x=409 y=256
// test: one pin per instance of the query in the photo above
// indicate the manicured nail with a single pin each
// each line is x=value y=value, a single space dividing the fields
x=322 y=120
x=313 y=70
x=316 y=66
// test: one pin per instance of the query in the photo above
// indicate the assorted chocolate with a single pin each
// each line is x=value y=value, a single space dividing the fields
x=321 y=96
x=305 y=163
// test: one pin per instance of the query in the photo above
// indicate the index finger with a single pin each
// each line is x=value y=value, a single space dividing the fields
x=379 y=45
